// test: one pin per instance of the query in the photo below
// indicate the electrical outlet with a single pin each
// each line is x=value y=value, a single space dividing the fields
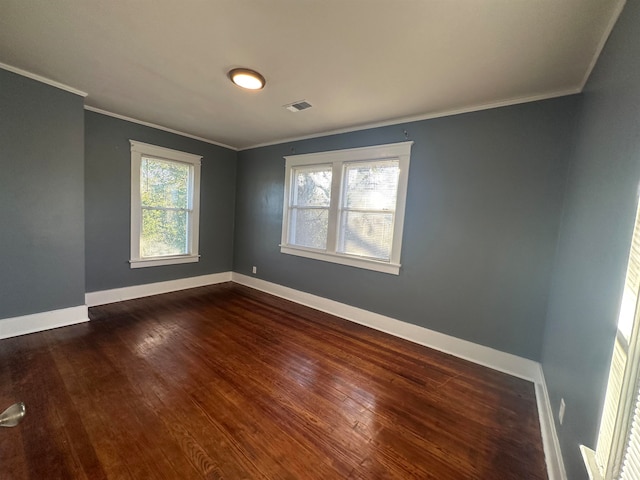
x=254 y=270
x=561 y=411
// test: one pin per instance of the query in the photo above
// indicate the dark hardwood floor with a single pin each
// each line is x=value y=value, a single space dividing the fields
x=228 y=382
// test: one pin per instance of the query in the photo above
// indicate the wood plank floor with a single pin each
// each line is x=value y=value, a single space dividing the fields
x=225 y=382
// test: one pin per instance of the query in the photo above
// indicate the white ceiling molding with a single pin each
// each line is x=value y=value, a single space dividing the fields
x=417 y=118
x=156 y=126
x=603 y=41
x=362 y=64
x=41 y=79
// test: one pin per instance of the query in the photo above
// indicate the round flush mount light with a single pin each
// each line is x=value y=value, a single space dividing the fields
x=246 y=78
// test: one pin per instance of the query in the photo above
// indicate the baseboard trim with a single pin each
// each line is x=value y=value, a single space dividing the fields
x=486 y=356
x=489 y=357
x=103 y=297
x=37 y=322
x=479 y=354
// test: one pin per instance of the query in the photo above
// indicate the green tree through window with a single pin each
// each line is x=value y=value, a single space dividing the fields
x=165 y=206
x=347 y=206
x=164 y=191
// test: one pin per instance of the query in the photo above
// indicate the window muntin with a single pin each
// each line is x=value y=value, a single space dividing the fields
x=165 y=200
x=347 y=206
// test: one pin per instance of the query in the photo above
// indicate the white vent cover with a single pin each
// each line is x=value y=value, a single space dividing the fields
x=297 y=106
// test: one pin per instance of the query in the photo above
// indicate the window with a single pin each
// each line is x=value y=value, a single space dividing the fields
x=165 y=206
x=617 y=454
x=347 y=206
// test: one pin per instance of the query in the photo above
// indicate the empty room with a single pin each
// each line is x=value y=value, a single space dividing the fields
x=298 y=239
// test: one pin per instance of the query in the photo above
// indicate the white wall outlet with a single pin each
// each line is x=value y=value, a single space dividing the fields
x=561 y=411
x=254 y=269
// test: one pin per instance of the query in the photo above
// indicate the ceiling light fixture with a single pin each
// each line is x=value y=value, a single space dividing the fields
x=246 y=78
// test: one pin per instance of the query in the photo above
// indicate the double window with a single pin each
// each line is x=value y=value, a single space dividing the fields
x=347 y=206
x=165 y=206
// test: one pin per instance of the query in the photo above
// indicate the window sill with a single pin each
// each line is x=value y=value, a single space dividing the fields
x=159 y=261
x=384 y=267
x=589 y=457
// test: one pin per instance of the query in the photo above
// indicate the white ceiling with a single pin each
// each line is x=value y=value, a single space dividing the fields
x=358 y=62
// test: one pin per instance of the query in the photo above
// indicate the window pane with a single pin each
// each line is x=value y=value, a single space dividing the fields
x=164 y=183
x=312 y=186
x=367 y=234
x=372 y=186
x=309 y=227
x=631 y=285
x=164 y=232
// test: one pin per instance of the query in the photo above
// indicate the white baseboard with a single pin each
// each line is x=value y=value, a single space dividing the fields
x=36 y=322
x=489 y=357
x=486 y=356
x=137 y=291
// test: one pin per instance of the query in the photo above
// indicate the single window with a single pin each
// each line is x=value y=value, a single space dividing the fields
x=347 y=206
x=165 y=206
x=617 y=453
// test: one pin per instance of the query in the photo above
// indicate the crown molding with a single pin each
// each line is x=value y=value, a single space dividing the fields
x=426 y=116
x=156 y=126
x=42 y=79
x=605 y=36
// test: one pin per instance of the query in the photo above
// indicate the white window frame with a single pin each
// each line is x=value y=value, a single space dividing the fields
x=606 y=462
x=139 y=150
x=338 y=159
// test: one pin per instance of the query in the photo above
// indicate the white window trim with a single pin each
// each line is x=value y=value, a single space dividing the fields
x=606 y=462
x=624 y=410
x=337 y=158
x=138 y=150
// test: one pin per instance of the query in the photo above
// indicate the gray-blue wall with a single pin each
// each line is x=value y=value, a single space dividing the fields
x=483 y=210
x=594 y=240
x=488 y=193
x=41 y=197
x=108 y=204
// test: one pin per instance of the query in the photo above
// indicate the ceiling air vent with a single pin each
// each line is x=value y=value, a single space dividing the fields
x=298 y=106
